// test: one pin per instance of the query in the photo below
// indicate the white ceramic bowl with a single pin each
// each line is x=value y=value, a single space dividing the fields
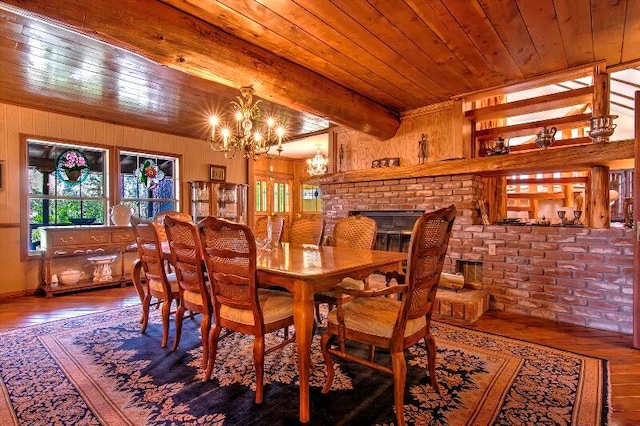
x=70 y=276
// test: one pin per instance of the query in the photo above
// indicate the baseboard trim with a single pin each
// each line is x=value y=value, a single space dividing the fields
x=19 y=294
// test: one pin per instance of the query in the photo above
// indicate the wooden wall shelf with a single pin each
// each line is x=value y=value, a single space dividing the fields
x=572 y=158
x=525 y=129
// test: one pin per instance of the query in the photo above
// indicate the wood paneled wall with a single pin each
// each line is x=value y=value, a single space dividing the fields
x=21 y=277
x=441 y=123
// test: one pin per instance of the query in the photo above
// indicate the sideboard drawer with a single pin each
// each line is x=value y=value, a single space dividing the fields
x=74 y=238
x=122 y=236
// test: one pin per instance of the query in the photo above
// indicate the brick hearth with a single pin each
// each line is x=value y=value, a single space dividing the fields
x=580 y=276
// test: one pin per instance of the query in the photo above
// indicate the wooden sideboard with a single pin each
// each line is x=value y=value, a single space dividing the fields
x=65 y=246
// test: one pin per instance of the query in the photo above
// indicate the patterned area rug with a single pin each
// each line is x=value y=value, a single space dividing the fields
x=98 y=369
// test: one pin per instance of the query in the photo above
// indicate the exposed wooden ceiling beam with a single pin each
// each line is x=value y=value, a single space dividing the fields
x=174 y=39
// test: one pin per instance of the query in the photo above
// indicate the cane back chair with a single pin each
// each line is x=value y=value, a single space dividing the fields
x=393 y=324
x=356 y=232
x=186 y=257
x=307 y=230
x=158 y=284
x=277 y=226
x=159 y=221
x=230 y=256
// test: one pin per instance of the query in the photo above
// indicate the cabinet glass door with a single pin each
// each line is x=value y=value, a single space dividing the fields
x=200 y=200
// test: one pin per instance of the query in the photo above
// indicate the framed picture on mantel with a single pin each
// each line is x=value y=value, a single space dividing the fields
x=217 y=173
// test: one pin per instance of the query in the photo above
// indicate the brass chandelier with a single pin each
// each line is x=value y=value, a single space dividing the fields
x=317 y=165
x=250 y=137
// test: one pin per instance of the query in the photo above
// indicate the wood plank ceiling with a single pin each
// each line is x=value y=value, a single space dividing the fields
x=354 y=63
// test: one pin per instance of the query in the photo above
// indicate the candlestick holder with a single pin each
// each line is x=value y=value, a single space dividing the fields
x=602 y=128
x=577 y=214
x=562 y=215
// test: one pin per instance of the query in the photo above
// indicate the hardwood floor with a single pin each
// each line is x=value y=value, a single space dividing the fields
x=624 y=361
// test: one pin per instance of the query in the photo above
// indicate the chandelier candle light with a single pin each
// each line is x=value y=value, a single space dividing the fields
x=252 y=141
x=318 y=164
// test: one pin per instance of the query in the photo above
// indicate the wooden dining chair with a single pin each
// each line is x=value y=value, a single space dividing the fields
x=158 y=284
x=277 y=226
x=308 y=229
x=356 y=232
x=186 y=258
x=239 y=305
x=394 y=324
x=158 y=220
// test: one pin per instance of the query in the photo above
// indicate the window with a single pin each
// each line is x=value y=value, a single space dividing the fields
x=261 y=196
x=311 y=198
x=621 y=191
x=148 y=183
x=55 y=195
x=280 y=197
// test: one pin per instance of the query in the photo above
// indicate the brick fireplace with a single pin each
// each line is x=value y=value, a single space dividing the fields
x=580 y=276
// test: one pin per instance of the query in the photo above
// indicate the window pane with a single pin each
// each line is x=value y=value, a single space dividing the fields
x=36 y=183
x=311 y=198
x=93 y=208
x=148 y=183
x=93 y=186
x=264 y=196
x=281 y=197
x=286 y=198
x=258 y=194
x=129 y=185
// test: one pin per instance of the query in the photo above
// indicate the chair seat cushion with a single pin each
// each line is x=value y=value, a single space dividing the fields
x=275 y=305
x=192 y=297
x=156 y=285
x=375 y=316
x=348 y=283
x=352 y=284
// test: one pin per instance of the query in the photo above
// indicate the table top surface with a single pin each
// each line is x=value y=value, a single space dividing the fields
x=306 y=260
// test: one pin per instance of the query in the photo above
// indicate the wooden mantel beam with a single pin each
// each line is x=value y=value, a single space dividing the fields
x=571 y=158
x=172 y=38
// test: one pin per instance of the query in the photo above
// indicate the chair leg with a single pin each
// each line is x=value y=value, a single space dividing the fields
x=205 y=326
x=145 y=313
x=328 y=361
x=214 y=335
x=372 y=352
x=258 y=360
x=430 y=343
x=179 y=317
x=166 y=311
x=399 y=367
x=318 y=317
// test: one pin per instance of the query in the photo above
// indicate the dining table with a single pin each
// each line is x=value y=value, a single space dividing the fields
x=305 y=269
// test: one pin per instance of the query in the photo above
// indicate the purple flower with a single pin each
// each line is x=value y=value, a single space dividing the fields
x=73 y=160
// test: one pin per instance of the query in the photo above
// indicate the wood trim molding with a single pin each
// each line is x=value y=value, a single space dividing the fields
x=10 y=225
x=430 y=109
